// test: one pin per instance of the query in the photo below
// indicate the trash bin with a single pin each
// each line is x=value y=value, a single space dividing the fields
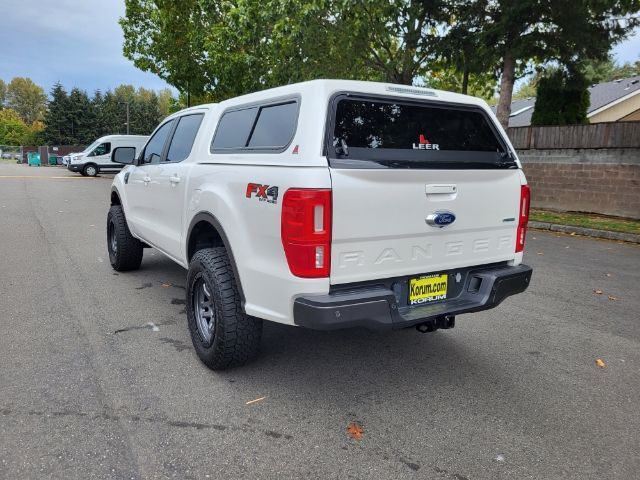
x=33 y=158
x=53 y=159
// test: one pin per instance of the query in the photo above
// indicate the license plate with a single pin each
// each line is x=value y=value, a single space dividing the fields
x=428 y=288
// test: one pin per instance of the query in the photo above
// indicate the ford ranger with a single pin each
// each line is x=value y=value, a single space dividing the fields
x=326 y=204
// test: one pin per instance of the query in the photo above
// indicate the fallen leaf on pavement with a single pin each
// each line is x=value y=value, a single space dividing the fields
x=540 y=253
x=572 y=234
x=254 y=401
x=355 y=431
x=166 y=285
x=600 y=363
x=611 y=297
x=597 y=292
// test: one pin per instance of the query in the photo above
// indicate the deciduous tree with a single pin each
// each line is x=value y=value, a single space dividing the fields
x=27 y=99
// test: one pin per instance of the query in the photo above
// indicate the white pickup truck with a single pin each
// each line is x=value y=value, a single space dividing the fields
x=326 y=204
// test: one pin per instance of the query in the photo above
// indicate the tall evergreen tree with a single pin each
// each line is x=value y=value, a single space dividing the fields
x=562 y=99
x=56 y=131
x=79 y=111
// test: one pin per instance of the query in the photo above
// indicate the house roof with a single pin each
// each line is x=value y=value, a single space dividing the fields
x=601 y=95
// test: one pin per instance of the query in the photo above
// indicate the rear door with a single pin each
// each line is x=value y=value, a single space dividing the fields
x=418 y=188
x=169 y=178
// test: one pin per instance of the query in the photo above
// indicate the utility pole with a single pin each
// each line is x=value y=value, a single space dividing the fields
x=127 y=104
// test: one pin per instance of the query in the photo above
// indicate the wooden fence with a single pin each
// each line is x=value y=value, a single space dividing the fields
x=598 y=135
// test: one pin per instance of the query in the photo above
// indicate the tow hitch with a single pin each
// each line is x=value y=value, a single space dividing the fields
x=436 y=323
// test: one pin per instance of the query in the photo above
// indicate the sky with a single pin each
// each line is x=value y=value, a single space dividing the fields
x=79 y=43
x=76 y=42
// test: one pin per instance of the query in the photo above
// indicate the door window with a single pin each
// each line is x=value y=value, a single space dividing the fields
x=102 y=149
x=183 y=137
x=155 y=147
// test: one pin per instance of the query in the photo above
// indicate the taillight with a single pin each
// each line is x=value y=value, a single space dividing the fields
x=523 y=217
x=306 y=231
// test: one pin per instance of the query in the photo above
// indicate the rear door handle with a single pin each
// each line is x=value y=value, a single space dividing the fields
x=174 y=179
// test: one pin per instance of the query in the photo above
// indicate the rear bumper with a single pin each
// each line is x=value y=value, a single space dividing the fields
x=376 y=306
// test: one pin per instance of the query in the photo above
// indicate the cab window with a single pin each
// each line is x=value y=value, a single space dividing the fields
x=155 y=147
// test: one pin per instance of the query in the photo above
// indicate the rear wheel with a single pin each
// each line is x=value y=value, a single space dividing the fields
x=90 y=170
x=222 y=334
x=125 y=251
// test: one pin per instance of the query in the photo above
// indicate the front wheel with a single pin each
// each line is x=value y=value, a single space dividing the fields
x=223 y=335
x=90 y=170
x=125 y=251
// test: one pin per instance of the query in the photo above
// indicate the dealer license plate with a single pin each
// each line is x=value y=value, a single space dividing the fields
x=428 y=288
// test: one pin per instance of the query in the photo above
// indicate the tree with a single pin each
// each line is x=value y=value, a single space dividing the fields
x=562 y=99
x=27 y=99
x=527 y=90
x=228 y=48
x=14 y=131
x=482 y=85
x=599 y=71
x=544 y=30
x=80 y=117
x=3 y=93
x=56 y=131
x=165 y=102
x=168 y=39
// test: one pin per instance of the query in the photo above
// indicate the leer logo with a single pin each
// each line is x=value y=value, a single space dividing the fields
x=424 y=144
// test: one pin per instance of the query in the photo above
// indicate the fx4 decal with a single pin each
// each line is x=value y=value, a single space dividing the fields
x=264 y=193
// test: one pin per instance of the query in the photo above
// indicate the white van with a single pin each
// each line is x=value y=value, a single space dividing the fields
x=96 y=157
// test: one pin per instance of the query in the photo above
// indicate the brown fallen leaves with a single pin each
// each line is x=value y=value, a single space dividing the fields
x=355 y=430
x=597 y=291
x=600 y=363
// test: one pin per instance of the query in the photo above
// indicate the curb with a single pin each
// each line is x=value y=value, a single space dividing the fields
x=588 y=232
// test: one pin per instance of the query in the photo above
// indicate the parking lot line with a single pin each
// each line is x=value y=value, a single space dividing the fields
x=42 y=176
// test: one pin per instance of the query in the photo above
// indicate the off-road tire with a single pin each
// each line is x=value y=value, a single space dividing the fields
x=90 y=170
x=129 y=250
x=236 y=335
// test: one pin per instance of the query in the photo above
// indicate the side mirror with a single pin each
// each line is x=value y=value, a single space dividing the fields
x=123 y=155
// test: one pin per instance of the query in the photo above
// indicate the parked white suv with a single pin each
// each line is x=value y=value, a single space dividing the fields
x=326 y=204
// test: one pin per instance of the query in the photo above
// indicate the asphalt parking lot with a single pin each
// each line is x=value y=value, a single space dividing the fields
x=90 y=389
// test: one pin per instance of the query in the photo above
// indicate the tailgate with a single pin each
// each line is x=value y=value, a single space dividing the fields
x=380 y=228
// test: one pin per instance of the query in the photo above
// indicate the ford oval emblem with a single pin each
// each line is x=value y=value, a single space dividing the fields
x=440 y=219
